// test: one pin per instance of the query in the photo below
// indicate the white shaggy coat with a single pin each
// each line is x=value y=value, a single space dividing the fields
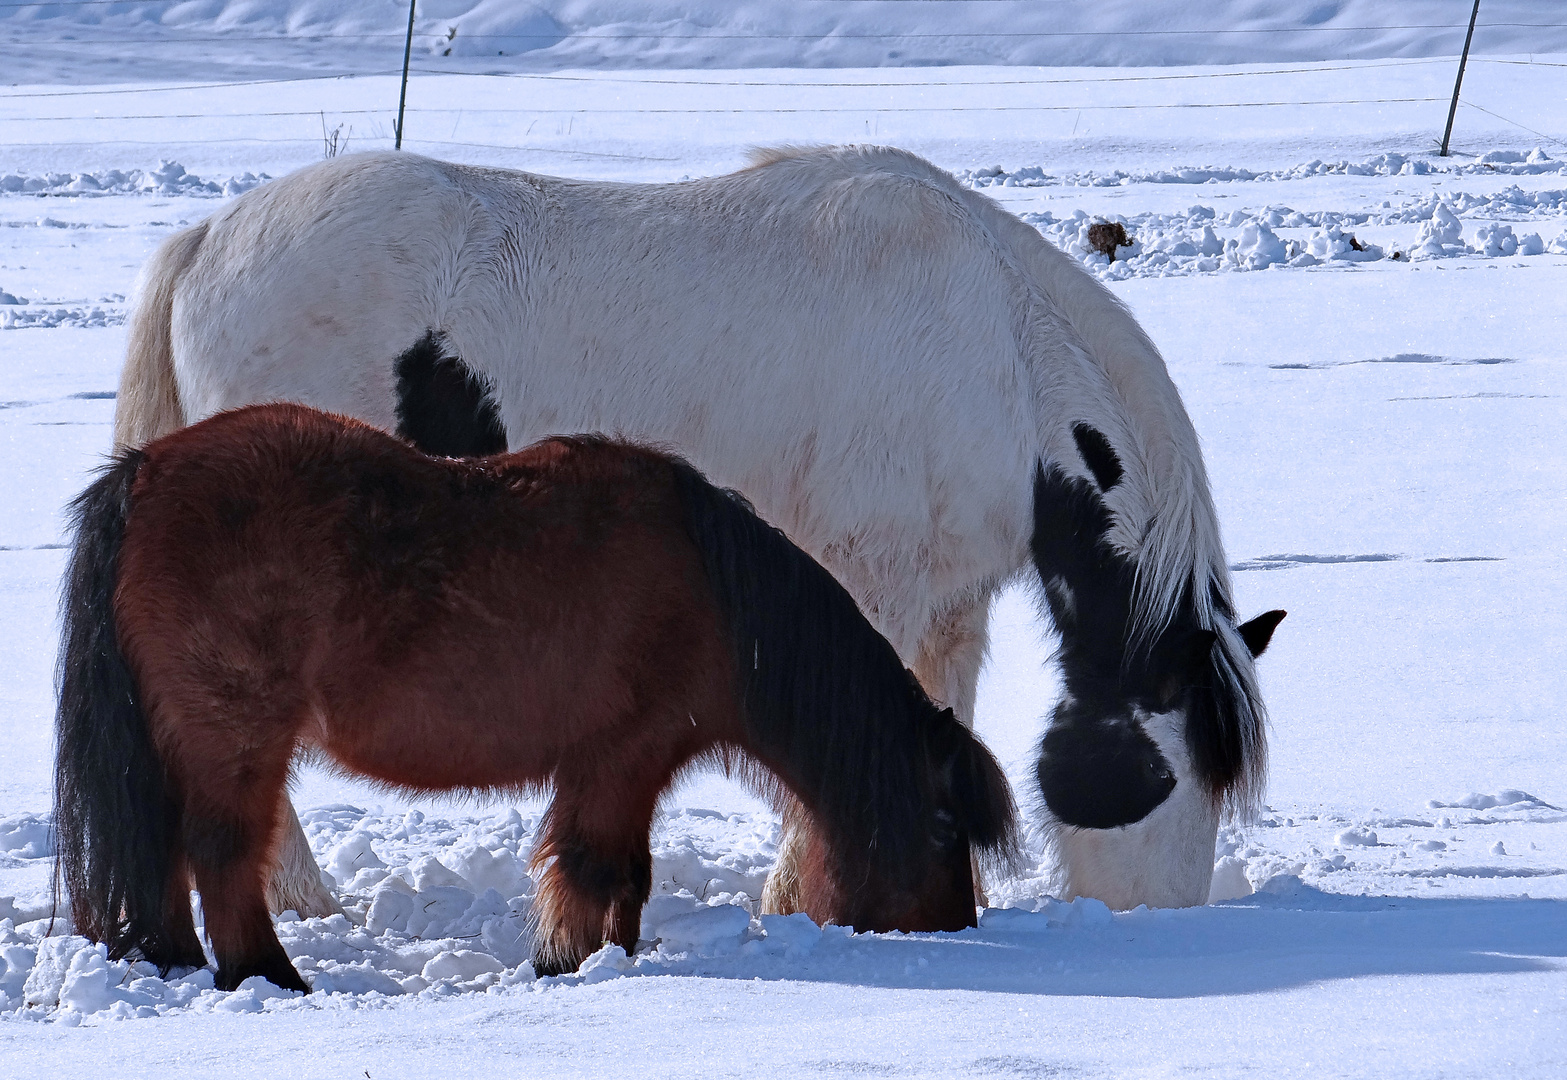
x=876 y=356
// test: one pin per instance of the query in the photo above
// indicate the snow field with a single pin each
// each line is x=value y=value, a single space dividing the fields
x=1384 y=442
x=437 y=907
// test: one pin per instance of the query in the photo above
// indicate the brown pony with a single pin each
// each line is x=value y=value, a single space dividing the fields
x=583 y=612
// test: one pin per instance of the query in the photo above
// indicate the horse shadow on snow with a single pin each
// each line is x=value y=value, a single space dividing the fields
x=1265 y=942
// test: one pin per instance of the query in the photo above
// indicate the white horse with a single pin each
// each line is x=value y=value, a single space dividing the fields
x=919 y=389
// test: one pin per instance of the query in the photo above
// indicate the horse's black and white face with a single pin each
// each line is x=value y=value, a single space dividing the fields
x=1117 y=746
x=1150 y=737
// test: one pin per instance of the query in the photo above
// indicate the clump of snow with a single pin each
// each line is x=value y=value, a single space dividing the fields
x=1257 y=247
x=699 y=927
x=610 y=962
x=1334 y=243
x=1229 y=880
x=1509 y=797
x=1494 y=240
x=1356 y=838
x=169 y=178
x=27 y=836
x=354 y=854
x=1439 y=237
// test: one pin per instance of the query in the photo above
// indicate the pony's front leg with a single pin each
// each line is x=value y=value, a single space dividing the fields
x=600 y=870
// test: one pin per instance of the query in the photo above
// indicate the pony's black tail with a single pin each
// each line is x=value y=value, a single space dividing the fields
x=827 y=698
x=111 y=813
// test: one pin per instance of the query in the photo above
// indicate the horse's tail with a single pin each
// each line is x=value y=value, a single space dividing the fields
x=111 y=817
x=826 y=697
x=148 y=402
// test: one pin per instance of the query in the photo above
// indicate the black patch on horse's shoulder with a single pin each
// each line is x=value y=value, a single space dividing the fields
x=1098 y=455
x=442 y=407
x=1099 y=772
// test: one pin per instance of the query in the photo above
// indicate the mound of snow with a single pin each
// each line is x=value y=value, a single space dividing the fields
x=545 y=34
x=1509 y=797
x=169 y=178
x=1441 y=236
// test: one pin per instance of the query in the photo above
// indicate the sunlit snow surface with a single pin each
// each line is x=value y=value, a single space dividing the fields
x=1384 y=437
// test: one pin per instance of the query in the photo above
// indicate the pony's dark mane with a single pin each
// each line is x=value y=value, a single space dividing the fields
x=1091 y=591
x=826 y=697
x=110 y=806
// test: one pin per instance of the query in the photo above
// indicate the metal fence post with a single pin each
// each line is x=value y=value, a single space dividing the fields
x=408 y=45
x=1462 y=60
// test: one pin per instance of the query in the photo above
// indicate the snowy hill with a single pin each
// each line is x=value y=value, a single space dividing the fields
x=76 y=40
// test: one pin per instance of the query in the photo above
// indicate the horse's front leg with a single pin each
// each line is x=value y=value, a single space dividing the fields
x=295 y=883
x=951 y=652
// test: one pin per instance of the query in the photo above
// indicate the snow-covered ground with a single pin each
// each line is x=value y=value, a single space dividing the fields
x=1384 y=437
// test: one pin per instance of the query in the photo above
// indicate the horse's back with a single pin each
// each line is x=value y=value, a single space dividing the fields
x=342 y=259
x=844 y=334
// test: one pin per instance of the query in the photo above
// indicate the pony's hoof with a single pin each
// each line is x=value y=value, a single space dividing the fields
x=183 y=962
x=543 y=967
x=281 y=975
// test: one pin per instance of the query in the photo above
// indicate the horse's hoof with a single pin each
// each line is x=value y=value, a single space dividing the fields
x=307 y=900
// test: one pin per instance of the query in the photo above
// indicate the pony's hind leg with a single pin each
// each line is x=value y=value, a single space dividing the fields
x=229 y=829
x=228 y=854
x=602 y=869
x=179 y=924
x=781 y=892
x=951 y=654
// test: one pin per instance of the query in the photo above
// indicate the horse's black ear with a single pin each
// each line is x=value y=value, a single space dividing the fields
x=1257 y=633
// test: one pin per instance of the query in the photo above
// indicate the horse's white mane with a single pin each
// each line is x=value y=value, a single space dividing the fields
x=1166 y=516
x=1165 y=520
